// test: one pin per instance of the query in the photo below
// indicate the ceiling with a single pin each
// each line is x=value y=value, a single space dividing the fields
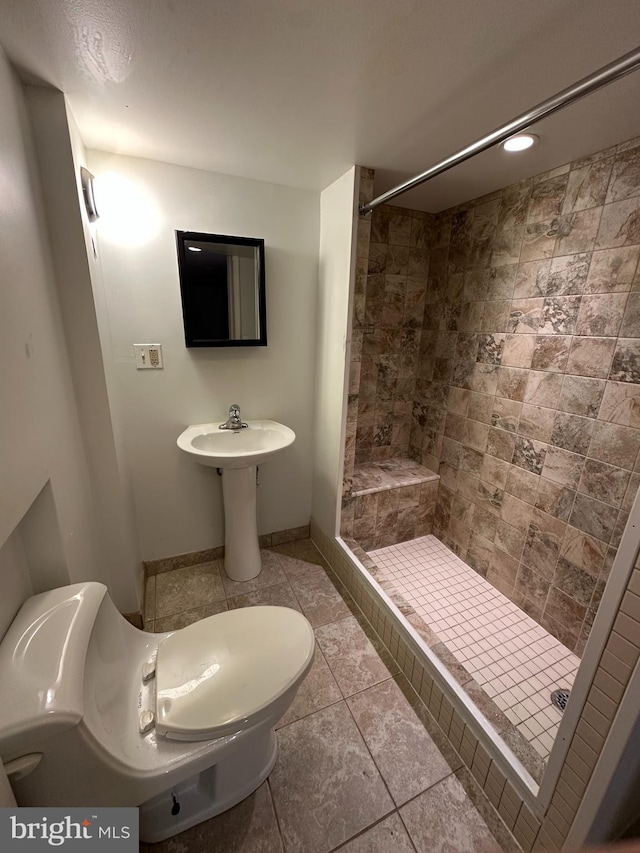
x=295 y=91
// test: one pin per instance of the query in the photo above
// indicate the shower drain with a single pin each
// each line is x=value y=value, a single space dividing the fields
x=559 y=698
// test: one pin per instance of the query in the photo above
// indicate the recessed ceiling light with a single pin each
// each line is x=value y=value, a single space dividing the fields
x=520 y=142
x=194 y=248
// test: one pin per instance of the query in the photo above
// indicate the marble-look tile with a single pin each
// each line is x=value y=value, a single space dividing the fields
x=568 y=275
x=620 y=225
x=399 y=229
x=317 y=691
x=275 y=595
x=518 y=351
x=543 y=389
x=572 y=432
x=539 y=240
x=621 y=404
x=319 y=598
x=447 y=657
x=612 y=269
x=583 y=551
x=563 y=467
x=529 y=454
x=495 y=317
x=408 y=759
x=501 y=444
x=601 y=314
x=574 y=582
x=505 y=413
x=576 y=232
x=444 y=820
x=300 y=557
x=541 y=551
x=485 y=522
x=480 y=553
x=625 y=177
x=512 y=382
x=631 y=320
x=149 y=612
x=531 y=279
x=551 y=352
x=593 y=517
x=547 y=198
x=487 y=707
x=615 y=444
x=591 y=356
x=516 y=512
x=325 y=785
x=490 y=347
x=494 y=471
x=248 y=827
x=581 y=395
x=509 y=539
x=534 y=584
x=565 y=610
x=604 y=482
x=526 y=316
x=536 y=422
x=388 y=835
x=380 y=226
x=355 y=661
x=177 y=590
x=554 y=498
x=630 y=494
x=188 y=617
x=625 y=366
x=397 y=262
x=587 y=186
x=559 y=315
x=271 y=574
x=522 y=482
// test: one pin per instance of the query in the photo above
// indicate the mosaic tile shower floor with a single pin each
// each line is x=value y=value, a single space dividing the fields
x=516 y=661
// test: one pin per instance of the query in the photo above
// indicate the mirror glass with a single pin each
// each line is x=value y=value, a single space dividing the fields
x=222 y=285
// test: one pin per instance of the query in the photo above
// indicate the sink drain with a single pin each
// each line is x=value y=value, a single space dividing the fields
x=559 y=699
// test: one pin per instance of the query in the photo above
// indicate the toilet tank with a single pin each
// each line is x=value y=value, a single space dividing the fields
x=42 y=664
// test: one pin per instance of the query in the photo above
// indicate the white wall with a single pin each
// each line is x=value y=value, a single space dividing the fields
x=179 y=503
x=338 y=212
x=40 y=435
x=60 y=155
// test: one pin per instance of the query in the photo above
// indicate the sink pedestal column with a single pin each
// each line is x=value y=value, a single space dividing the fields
x=242 y=559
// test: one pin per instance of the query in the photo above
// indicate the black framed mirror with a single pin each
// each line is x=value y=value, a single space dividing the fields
x=222 y=285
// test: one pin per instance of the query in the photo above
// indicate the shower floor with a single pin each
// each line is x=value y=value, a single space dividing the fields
x=516 y=661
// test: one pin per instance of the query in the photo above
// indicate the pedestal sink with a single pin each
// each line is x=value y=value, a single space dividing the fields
x=237 y=453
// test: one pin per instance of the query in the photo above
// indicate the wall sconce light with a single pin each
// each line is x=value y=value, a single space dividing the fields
x=86 y=179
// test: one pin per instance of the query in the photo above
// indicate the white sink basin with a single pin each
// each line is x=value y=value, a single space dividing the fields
x=225 y=448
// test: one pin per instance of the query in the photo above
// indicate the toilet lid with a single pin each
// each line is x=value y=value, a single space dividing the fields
x=215 y=676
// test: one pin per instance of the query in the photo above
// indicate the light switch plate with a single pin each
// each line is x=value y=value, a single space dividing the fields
x=148 y=356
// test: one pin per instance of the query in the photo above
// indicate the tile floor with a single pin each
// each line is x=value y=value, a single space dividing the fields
x=515 y=660
x=362 y=767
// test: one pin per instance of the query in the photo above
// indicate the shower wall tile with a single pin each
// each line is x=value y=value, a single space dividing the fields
x=392 y=250
x=527 y=394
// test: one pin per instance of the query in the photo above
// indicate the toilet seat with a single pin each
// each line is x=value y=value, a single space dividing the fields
x=219 y=675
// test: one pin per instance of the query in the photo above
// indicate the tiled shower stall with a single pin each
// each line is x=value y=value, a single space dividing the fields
x=495 y=356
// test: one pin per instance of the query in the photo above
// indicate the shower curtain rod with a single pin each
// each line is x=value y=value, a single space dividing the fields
x=607 y=74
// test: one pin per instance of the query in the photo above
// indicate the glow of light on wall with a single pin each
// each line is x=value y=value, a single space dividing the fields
x=129 y=215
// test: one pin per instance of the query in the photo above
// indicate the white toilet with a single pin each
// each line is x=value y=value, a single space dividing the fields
x=94 y=712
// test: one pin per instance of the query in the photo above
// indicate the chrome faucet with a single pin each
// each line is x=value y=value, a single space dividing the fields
x=234 y=421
